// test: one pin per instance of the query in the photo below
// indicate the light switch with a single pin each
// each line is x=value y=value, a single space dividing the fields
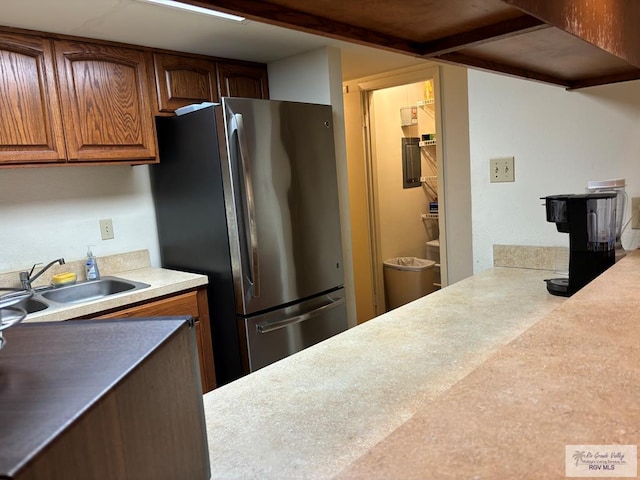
x=106 y=229
x=502 y=169
x=635 y=213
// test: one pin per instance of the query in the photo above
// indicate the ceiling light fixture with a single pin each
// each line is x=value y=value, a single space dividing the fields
x=192 y=8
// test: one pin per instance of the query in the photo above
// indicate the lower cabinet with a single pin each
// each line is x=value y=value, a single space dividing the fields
x=192 y=303
x=112 y=401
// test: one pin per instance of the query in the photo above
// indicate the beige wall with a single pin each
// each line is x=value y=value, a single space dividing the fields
x=456 y=240
x=54 y=212
x=560 y=140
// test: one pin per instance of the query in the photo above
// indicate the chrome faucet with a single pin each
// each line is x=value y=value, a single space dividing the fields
x=27 y=277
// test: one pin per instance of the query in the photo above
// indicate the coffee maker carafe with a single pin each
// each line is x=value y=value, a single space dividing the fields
x=590 y=221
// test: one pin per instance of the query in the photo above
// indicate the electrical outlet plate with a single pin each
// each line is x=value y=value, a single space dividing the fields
x=635 y=213
x=501 y=169
x=106 y=229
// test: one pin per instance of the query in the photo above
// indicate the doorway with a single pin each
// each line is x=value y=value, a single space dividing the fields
x=389 y=220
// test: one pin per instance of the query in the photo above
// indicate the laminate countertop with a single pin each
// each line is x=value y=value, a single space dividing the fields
x=133 y=266
x=570 y=381
x=161 y=282
x=341 y=406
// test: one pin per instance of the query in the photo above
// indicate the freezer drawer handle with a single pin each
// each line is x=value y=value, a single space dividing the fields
x=267 y=327
x=238 y=125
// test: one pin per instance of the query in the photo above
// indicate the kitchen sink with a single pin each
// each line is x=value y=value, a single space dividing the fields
x=92 y=290
x=32 y=305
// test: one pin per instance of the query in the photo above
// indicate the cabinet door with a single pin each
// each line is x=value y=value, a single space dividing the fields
x=242 y=80
x=105 y=96
x=30 y=122
x=182 y=81
x=191 y=303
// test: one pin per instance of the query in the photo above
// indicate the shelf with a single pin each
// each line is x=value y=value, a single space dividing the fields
x=426 y=143
x=422 y=103
x=432 y=178
x=429 y=216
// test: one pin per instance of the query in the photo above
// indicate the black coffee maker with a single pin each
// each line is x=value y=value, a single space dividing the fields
x=590 y=221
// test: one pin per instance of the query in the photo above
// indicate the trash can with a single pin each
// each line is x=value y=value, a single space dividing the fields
x=406 y=279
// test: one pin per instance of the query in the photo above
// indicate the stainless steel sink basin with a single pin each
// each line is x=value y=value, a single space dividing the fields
x=32 y=305
x=92 y=290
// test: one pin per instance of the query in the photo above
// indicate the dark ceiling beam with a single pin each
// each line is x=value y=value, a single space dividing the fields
x=478 y=36
x=285 y=17
x=611 y=25
x=490 y=66
x=605 y=80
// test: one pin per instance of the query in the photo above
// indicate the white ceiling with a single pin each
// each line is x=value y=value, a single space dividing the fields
x=133 y=22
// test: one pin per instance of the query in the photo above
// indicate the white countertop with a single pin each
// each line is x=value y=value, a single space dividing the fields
x=131 y=266
x=314 y=413
x=161 y=282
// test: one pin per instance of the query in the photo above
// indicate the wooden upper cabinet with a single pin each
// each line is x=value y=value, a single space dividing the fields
x=182 y=81
x=31 y=125
x=242 y=80
x=105 y=98
x=64 y=100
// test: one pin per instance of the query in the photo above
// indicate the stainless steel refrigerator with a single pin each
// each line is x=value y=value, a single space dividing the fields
x=246 y=193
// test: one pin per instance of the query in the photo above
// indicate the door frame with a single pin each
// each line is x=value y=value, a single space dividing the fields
x=366 y=88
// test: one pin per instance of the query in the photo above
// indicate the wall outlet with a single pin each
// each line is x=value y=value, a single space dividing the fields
x=501 y=169
x=106 y=229
x=635 y=213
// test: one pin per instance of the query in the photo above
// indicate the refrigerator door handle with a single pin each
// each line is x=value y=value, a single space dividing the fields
x=266 y=327
x=254 y=270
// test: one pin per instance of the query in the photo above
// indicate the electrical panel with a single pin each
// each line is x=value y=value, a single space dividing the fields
x=411 y=164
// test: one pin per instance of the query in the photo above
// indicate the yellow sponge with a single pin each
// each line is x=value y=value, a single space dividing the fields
x=60 y=279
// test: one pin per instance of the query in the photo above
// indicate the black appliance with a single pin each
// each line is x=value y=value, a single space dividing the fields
x=590 y=221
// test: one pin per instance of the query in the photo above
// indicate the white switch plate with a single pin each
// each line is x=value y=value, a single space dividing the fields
x=106 y=229
x=635 y=213
x=502 y=169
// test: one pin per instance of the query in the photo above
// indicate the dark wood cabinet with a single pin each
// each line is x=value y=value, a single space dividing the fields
x=64 y=100
x=105 y=98
x=193 y=303
x=31 y=126
x=237 y=79
x=182 y=80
